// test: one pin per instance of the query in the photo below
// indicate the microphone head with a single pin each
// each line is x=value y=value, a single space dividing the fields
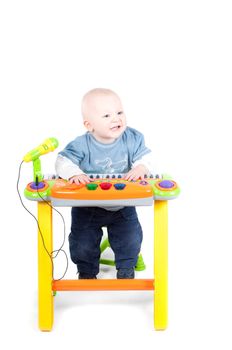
x=47 y=146
x=52 y=143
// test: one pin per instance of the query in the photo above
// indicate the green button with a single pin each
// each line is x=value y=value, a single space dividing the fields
x=91 y=187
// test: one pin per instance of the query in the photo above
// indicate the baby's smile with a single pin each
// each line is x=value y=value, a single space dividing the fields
x=115 y=128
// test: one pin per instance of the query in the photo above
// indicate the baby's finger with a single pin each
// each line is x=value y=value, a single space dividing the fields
x=76 y=181
x=73 y=180
x=89 y=179
x=128 y=175
x=84 y=180
x=132 y=177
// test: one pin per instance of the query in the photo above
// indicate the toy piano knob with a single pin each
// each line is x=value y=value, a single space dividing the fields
x=105 y=185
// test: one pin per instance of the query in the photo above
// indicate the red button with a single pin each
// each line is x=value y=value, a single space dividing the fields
x=105 y=185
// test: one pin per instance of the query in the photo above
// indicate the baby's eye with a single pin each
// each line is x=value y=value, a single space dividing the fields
x=106 y=116
x=121 y=112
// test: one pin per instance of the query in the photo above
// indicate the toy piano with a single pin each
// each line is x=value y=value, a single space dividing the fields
x=104 y=190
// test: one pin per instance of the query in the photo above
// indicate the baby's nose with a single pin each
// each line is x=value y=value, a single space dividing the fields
x=116 y=117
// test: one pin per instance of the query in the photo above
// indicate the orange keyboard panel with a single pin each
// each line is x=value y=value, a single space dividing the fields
x=103 y=189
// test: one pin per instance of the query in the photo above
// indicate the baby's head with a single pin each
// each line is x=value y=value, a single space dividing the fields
x=103 y=114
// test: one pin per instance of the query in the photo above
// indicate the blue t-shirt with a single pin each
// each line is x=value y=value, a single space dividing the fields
x=94 y=157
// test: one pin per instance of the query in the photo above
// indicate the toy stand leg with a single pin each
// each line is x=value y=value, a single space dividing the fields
x=161 y=265
x=45 y=297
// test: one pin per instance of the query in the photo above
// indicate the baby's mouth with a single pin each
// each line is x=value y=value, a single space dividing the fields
x=114 y=128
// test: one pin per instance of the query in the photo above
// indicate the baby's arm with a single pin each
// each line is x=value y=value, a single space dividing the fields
x=67 y=170
x=140 y=168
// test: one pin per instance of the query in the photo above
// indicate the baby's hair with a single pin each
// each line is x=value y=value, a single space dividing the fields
x=88 y=97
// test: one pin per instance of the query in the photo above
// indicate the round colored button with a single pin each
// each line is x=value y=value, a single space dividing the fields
x=166 y=184
x=119 y=186
x=40 y=185
x=105 y=185
x=142 y=182
x=91 y=187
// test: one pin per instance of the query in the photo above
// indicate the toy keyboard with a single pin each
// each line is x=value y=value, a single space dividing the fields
x=104 y=190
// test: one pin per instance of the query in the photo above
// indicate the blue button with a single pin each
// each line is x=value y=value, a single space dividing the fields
x=119 y=186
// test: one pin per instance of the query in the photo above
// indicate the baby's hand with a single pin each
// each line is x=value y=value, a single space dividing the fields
x=80 y=179
x=137 y=172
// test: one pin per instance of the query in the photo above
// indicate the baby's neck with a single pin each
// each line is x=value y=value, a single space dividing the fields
x=106 y=141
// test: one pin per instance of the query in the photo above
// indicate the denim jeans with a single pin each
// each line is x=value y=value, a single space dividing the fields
x=124 y=234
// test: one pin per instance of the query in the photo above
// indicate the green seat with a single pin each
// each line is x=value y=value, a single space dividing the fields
x=140 y=266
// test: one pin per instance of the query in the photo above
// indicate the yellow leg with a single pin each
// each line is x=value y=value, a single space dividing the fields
x=161 y=264
x=45 y=297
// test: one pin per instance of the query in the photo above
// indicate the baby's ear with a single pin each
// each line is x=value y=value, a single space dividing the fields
x=88 y=125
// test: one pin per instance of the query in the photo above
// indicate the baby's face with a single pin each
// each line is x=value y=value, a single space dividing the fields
x=106 y=120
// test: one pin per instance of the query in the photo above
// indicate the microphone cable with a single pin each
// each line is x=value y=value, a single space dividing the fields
x=54 y=253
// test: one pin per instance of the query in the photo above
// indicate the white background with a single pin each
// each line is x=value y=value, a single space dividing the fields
x=170 y=61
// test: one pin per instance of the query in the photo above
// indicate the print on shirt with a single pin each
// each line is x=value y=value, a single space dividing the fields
x=109 y=167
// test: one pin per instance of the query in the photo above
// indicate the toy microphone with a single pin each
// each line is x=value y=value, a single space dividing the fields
x=47 y=146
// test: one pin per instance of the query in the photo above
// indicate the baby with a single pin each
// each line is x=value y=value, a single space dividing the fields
x=108 y=147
